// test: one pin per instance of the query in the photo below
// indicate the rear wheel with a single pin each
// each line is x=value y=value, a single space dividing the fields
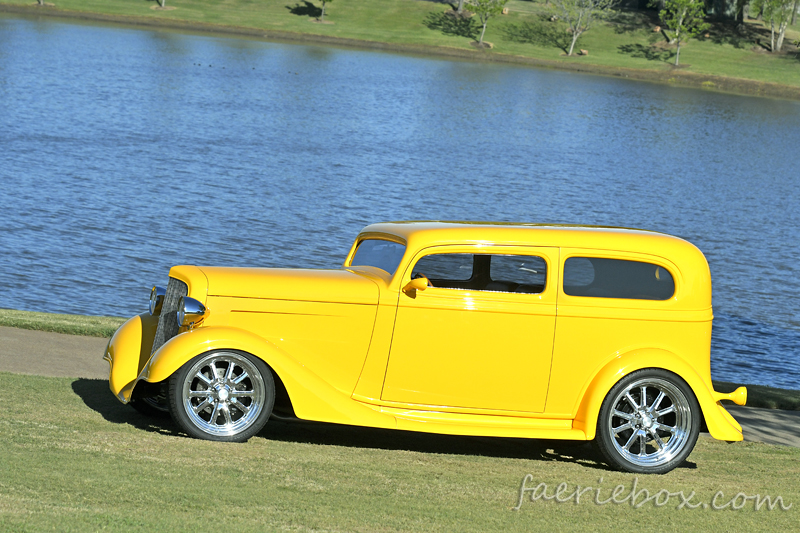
x=222 y=396
x=649 y=422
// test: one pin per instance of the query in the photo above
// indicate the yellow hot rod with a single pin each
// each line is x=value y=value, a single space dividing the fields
x=508 y=330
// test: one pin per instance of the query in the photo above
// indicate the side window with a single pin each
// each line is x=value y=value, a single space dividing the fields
x=446 y=270
x=615 y=278
x=484 y=272
x=517 y=273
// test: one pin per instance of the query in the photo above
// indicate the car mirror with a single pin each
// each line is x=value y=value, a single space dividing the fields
x=418 y=284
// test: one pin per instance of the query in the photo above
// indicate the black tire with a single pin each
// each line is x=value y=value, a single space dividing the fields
x=223 y=395
x=649 y=422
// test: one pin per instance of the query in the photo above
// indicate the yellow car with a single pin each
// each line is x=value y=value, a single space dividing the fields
x=507 y=330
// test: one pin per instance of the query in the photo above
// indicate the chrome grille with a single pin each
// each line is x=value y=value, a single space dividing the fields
x=168 y=321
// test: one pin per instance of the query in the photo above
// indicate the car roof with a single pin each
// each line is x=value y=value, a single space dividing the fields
x=418 y=234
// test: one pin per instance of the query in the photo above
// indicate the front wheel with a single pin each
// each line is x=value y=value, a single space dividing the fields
x=222 y=396
x=649 y=422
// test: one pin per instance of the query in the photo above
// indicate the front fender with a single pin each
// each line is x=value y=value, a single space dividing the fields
x=312 y=397
x=127 y=352
x=721 y=425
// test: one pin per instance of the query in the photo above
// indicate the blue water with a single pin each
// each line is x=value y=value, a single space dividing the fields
x=124 y=152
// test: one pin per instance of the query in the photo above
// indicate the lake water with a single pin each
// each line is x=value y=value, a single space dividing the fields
x=124 y=152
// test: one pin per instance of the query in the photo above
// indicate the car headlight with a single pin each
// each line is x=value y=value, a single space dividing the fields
x=157 y=299
x=190 y=312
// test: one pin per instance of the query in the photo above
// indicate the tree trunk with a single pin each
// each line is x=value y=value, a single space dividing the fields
x=678 y=54
x=772 y=34
x=794 y=11
x=575 y=35
x=163 y=3
x=781 y=35
x=322 y=17
x=460 y=6
x=480 y=41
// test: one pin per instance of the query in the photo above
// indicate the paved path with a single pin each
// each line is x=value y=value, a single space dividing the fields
x=55 y=354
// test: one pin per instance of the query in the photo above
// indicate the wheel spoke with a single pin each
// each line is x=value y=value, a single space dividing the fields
x=240 y=406
x=199 y=394
x=631 y=401
x=668 y=410
x=229 y=372
x=630 y=442
x=214 y=372
x=643 y=397
x=202 y=377
x=621 y=414
x=659 y=443
x=657 y=402
x=202 y=406
x=623 y=427
x=214 y=415
x=241 y=377
x=242 y=393
x=226 y=412
x=642 y=444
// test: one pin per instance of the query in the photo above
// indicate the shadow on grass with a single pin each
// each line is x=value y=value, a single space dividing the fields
x=455 y=26
x=541 y=32
x=97 y=397
x=632 y=21
x=651 y=53
x=306 y=9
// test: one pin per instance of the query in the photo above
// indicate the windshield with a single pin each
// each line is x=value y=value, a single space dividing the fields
x=378 y=253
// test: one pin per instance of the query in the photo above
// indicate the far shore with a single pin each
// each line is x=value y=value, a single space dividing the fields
x=672 y=77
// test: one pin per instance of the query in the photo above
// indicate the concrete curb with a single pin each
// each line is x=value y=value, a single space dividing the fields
x=57 y=355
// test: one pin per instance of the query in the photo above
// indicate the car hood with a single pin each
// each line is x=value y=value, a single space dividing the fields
x=340 y=286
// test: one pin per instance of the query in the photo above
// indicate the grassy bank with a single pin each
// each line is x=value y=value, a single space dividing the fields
x=92 y=326
x=93 y=463
x=728 y=59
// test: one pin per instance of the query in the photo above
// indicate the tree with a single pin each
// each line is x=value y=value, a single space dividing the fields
x=779 y=14
x=486 y=9
x=460 y=7
x=322 y=17
x=579 y=15
x=685 y=19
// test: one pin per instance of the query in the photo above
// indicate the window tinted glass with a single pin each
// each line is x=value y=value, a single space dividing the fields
x=445 y=267
x=385 y=255
x=615 y=278
x=483 y=272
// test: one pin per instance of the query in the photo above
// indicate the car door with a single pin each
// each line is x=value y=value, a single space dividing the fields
x=480 y=336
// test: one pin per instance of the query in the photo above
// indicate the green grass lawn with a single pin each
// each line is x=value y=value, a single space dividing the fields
x=75 y=459
x=626 y=41
x=92 y=326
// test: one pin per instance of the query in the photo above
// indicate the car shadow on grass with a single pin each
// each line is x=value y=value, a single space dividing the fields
x=97 y=397
x=563 y=451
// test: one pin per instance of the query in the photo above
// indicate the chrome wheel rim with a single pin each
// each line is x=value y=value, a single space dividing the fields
x=650 y=422
x=223 y=394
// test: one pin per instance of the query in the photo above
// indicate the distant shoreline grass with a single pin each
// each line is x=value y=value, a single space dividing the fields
x=626 y=47
x=105 y=326
x=89 y=326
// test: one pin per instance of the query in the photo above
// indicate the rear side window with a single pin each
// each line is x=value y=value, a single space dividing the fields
x=615 y=278
x=378 y=253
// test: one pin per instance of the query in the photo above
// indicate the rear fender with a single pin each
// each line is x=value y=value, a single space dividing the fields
x=721 y=425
